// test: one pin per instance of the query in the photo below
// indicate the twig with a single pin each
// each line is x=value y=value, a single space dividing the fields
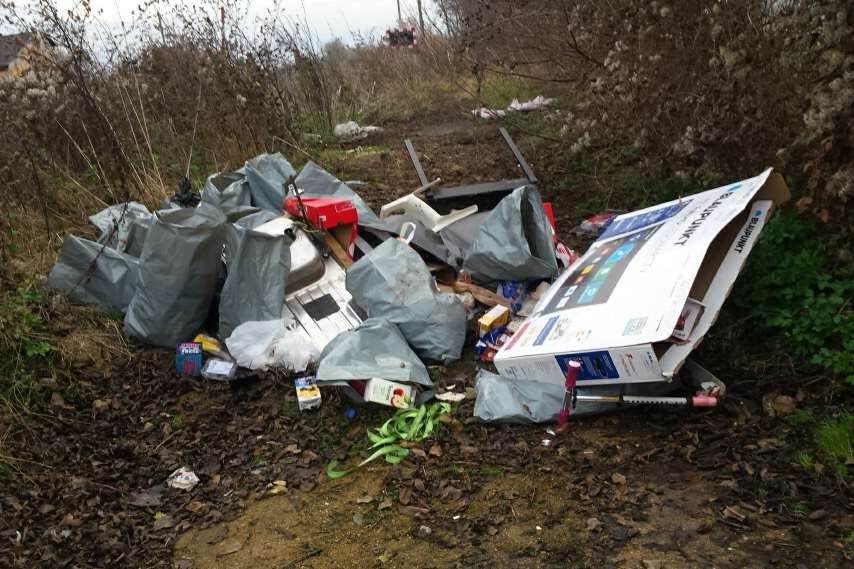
x=40 y=190
x=164 y=441
x=313 y=552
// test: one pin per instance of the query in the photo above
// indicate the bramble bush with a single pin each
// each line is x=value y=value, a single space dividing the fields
x=793 y=289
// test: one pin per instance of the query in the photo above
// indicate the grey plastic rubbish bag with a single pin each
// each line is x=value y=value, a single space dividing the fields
x=123 y=226
x=314 y=181
x=227 y=190
x=502 y=399
x=257 y=274
x=505 y=400
x=108 y=282
x=266 y=175
x=376 y=348
x=178 y=273
x=392 y=282
x=514 y=242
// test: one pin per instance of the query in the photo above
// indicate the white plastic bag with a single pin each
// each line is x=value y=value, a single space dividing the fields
x=271 y=344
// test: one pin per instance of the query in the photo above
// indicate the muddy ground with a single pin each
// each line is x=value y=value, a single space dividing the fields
x=644 y=488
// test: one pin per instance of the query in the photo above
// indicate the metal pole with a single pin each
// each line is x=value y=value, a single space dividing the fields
x=421 y=19
x=399 y=19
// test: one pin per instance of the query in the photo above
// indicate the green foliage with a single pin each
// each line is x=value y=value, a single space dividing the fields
x=835 y=441
x=805 y=459
x=489 y=471
x=21 y=345
x=799 y=509
x=656 y=191
x=312 y=123
x=19 y=323
x=800 y=417
x=791 y=296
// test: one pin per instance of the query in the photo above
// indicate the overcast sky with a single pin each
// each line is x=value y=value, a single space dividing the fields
x=329 y=19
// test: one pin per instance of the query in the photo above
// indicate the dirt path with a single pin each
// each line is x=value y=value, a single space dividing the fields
x=641 y=489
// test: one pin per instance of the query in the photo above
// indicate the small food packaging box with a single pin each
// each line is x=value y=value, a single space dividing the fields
x=389 y=393
x=188 y=359
x=690 y=314
x=496 y=317
x=308 y=393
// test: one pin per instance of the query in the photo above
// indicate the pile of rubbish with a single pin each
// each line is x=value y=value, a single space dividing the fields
x=515 y=106
x=269 y=268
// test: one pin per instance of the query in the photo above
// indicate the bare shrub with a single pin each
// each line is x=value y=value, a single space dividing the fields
x=106 y=115
x=720 y=89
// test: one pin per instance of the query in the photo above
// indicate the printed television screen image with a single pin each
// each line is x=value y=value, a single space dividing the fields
x=595 y=278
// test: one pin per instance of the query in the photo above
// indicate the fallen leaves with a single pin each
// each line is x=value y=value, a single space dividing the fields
x=164 y=522
x=147 y=498
x=276 y=487
x=218 y=535
x=783 y=405
x=414 y=511
x=592 y=524
x=230 y=547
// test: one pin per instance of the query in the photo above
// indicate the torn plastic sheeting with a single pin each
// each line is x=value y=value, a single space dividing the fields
x=505 y=400
x=314 y=181
x=352 y=130
x=123 y=228
x=392 y=282
x=514 y=242
x=109 y=282
x=266 y=175
x=376 y=348
x=178 y=273
x=257 y=274
x=271 y=344
x=227 y=190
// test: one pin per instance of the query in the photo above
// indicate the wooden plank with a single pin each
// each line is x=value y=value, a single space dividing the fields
x=337 y=251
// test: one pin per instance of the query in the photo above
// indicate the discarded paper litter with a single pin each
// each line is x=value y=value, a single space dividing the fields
x=182 y=479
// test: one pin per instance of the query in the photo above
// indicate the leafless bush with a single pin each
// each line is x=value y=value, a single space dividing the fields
x=719 y=89
x=105 y=115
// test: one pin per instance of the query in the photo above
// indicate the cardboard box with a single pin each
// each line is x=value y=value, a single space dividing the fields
x=389 y=393
x=496 y=316
x=616 y=308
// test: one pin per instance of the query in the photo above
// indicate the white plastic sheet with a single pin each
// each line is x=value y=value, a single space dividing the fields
x=271 y=344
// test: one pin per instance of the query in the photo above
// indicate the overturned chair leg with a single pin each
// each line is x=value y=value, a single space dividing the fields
x=412 y=205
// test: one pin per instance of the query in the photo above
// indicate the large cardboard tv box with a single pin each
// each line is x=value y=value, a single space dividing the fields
x=647 y=291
